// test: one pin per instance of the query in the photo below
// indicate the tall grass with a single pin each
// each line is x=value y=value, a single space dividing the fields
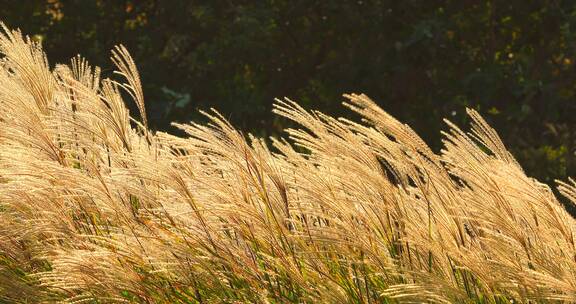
x=95 y=207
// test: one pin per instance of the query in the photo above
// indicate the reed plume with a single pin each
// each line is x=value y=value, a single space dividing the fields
x=95 y=207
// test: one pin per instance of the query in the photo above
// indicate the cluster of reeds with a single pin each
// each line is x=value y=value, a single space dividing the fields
x=95 y=207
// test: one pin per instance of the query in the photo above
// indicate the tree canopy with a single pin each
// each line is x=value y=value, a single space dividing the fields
x=513 y=61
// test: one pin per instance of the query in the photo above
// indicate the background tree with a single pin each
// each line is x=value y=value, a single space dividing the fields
x=421 y=60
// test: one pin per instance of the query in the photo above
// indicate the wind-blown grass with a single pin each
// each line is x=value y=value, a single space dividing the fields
x=95 y=207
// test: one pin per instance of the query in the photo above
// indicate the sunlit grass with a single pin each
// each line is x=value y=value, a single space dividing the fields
x=95 y=207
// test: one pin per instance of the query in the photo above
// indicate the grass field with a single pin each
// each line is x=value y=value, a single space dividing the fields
x=95 y=207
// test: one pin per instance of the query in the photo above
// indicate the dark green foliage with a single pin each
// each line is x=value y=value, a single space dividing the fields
x=514 y=61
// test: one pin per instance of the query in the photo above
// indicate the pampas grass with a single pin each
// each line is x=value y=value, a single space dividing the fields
x=95 y=207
